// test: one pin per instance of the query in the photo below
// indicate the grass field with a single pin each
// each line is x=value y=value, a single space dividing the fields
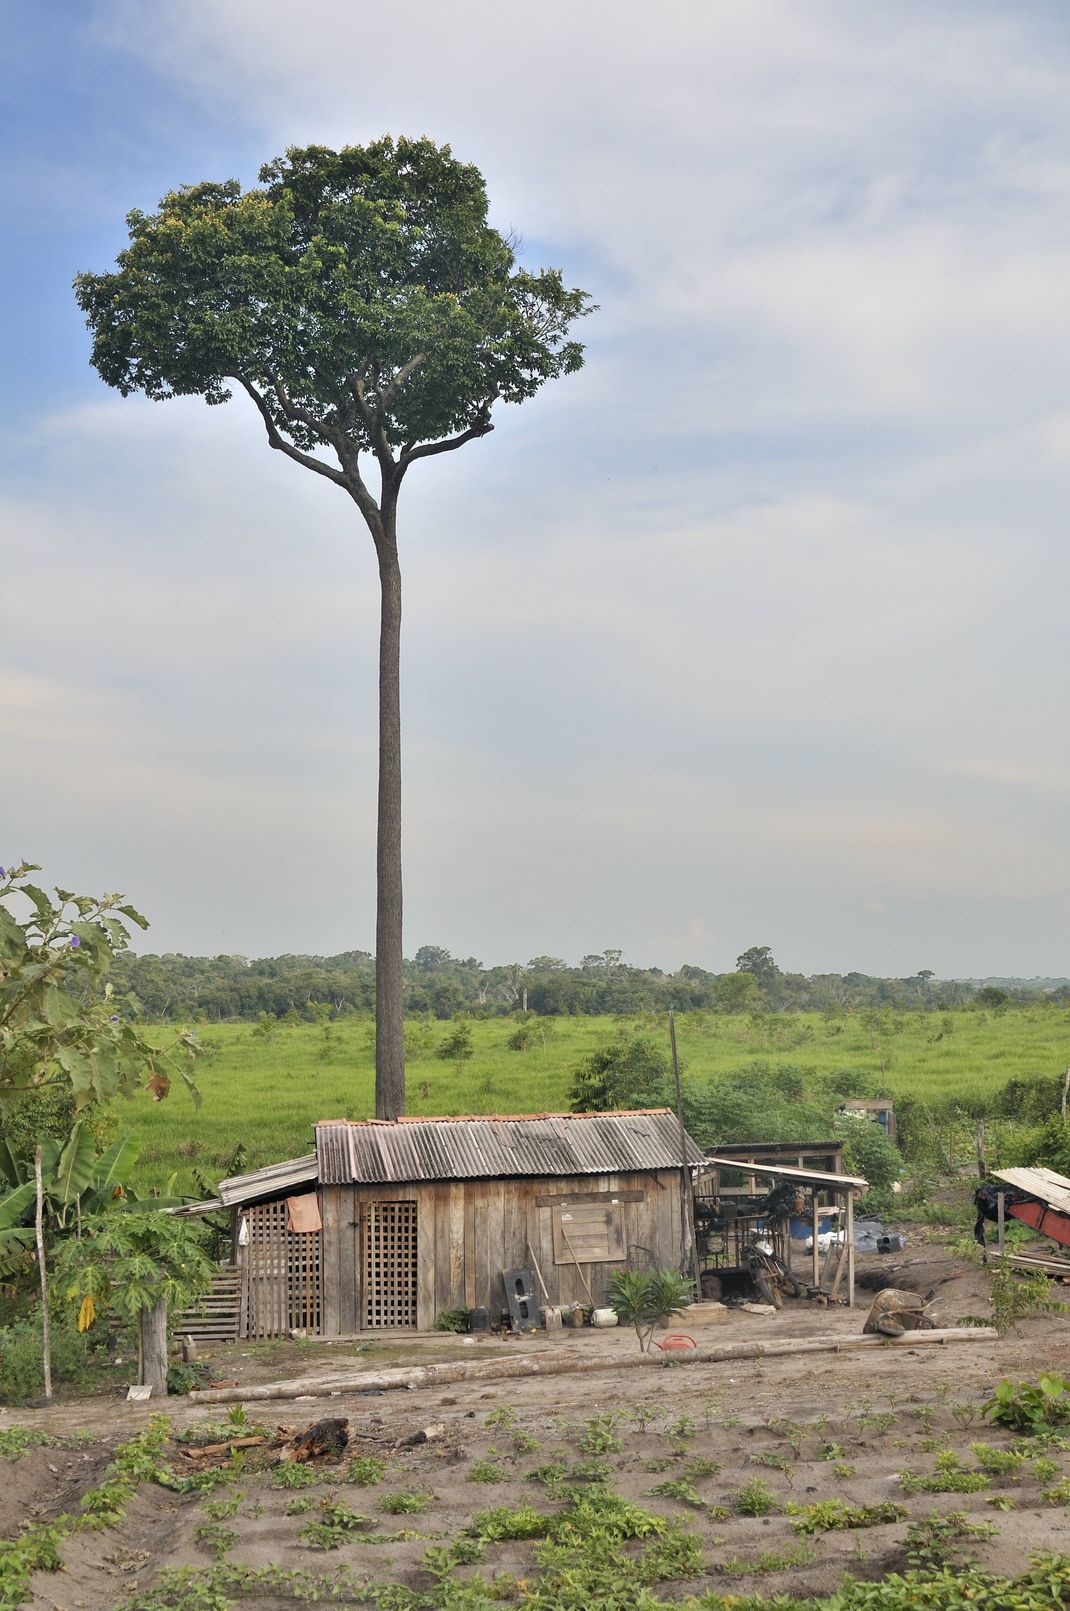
x=266 y=1095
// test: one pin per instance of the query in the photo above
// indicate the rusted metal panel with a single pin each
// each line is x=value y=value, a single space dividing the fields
x=540 y=1145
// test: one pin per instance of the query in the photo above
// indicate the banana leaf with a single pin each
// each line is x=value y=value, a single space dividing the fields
x=76 y=1168
x=12 y=1168
x=15 y=1245
x=13 y=1204
x=113 y=1167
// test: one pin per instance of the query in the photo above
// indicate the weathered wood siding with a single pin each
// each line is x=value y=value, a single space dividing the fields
x=469 y=1231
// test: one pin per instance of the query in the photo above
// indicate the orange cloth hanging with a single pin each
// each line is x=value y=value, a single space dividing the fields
x=303 y=1213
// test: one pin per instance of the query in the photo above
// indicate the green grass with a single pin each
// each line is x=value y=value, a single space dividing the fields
x=268 y=1094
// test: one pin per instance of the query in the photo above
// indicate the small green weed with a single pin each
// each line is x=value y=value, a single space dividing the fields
x=999 y=1462
x=366 y=1472
x=601 y=1437
x=336 y=1526
x=756 y=1498
x=936 y=1541
x=497 y=1525
x=293 y=1475
x=678 y=1488
x=836 y=1515
x=776 y=1462
x=214 y=1537
x=787 y=1560
x=409 y=1503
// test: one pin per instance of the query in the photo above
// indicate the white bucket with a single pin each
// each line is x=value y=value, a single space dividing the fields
x=604 y=1317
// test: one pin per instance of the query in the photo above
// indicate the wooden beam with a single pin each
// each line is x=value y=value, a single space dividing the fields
x=565 y=1361
x=568 y=1199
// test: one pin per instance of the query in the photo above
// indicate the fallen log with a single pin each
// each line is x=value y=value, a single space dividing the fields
x=563 y=1361
x=202 y=1451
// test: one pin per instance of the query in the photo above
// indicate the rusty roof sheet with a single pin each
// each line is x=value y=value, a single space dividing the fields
x=269 y=1182
x=379 y=1151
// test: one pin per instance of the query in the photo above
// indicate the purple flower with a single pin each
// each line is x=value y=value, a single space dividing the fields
x=75 y=942
x=114 y=1019
x=3 y=872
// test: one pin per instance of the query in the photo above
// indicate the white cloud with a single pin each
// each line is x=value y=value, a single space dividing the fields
x=759 y=617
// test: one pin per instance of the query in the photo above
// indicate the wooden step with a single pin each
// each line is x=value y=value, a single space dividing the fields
x=215 y=1315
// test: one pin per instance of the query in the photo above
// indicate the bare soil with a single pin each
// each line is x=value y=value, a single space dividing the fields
x=883 y=1408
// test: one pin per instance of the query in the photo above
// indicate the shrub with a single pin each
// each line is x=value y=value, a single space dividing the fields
x=1030 y=1407
x=452 y=1320
x=21 y=1367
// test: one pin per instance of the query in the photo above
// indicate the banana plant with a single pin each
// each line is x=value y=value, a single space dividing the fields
x=76 y=1180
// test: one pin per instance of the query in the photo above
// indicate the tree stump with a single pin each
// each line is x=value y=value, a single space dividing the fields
x=322 y=1439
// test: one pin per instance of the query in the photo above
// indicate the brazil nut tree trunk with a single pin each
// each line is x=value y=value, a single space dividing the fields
x=374 y=317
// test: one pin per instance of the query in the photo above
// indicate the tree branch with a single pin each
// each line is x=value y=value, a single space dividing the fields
x=386 y=398
x=373 y=424
x=277 y=440
x=428 y=449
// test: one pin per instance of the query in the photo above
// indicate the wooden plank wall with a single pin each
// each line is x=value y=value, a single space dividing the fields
x=470 y=1231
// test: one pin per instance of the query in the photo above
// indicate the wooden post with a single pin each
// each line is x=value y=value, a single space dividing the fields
x=1001 y=1201
x=39 y=1234
x=1066 y=1089
x=816 y=1254
x=687 y=1203
x=152 y=1348
x=850 y=1250
x=980 y=1144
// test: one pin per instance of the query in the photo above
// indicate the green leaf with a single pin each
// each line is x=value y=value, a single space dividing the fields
x=14 y=1205
x=76 y=1162
x=12 y=1167
x=42 y=904
x=15 y=1245
x=113 y=1167
x=12 y=936
x=135 y=916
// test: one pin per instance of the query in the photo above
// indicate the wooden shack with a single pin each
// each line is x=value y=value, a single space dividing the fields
x=389 y=1223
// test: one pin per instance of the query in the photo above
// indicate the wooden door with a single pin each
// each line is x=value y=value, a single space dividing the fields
x=390 y=1264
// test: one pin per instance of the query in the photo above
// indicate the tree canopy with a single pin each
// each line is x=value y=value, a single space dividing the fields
x=59 y=1026
x=360 y=297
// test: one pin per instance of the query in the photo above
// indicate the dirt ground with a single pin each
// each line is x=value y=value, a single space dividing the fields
x=881 y=1412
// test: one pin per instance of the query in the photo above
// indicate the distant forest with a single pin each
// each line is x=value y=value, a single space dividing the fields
x=440 y=985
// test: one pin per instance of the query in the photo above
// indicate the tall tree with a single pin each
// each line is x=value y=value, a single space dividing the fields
x=371 y=313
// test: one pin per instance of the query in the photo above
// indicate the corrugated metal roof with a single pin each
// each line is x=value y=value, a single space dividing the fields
x=805 y=1177
x=1051 y=1188
x=380 y=1151
x=268 y=1182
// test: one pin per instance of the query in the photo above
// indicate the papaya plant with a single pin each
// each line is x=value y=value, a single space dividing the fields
x=645 y=1298
x=137 y=1265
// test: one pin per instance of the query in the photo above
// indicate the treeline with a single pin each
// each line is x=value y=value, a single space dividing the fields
x=174 y=986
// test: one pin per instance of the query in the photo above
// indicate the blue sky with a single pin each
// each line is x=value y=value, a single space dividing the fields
x=752 y=633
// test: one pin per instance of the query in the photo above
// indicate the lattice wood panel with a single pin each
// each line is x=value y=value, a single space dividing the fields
x=390 y=1264
x=282 y=1274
